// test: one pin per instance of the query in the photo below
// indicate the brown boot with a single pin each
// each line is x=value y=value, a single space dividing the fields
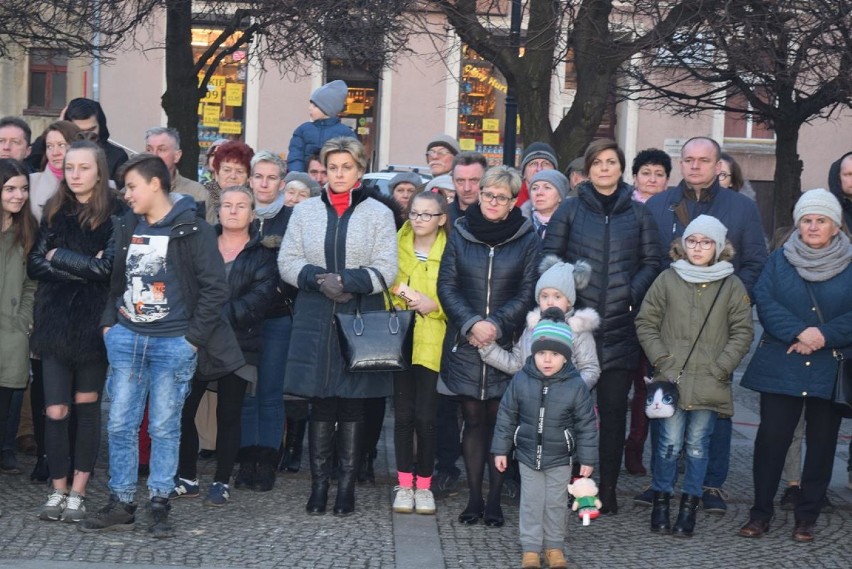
x=531 y=560
x=633 y=459
x=555 y=559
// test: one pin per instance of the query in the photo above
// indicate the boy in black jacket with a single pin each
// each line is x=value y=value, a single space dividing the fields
x=162 y=320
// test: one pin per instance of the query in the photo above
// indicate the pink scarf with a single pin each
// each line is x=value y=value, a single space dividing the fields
x=58 y=172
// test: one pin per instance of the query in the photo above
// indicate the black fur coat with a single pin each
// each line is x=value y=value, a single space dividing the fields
x=72 y=288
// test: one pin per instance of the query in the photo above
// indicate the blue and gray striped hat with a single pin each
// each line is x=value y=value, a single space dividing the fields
x=552 y=333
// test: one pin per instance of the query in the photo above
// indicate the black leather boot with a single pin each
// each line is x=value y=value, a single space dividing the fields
x=246 y=477
x=366 y=474
x=609 y=503
x=265 y=478
x=349 y=454
x=685 y=524
x=320 y=447
x=291 y=461
x=660 y=515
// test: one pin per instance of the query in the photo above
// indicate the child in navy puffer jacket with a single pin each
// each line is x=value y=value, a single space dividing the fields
x=326 y=103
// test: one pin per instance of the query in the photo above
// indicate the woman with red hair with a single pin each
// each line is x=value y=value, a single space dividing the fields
x=231 y=167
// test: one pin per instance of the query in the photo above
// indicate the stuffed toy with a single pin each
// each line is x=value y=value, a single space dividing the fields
x=585 y=493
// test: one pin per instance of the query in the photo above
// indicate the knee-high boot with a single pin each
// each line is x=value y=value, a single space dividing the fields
x=349 y=453
x=292 y=459
x=320 y=447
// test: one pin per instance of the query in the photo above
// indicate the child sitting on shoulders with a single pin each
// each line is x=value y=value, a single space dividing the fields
x=547 y=413
x=326 y=103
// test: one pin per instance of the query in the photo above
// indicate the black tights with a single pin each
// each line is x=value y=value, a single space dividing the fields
x=231 y=390
x=479 y=420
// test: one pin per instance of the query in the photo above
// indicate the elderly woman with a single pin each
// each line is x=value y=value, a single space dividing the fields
x=231 y=167
x=805 y=308
x=330 y=242
x=298 y=187
x=486 y=286
x=619 y=238
x=651 y=170
x=547 y=190
x=252 y=279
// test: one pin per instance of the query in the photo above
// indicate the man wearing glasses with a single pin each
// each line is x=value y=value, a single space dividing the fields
x=440 y=153
x=700 y=193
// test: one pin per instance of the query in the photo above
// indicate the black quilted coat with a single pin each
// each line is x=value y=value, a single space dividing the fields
x=624 y=251
x=478 y=282
x=73 y=286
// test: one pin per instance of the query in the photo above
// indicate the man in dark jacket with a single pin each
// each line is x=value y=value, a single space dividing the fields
x=90 y=118
x=840 y=184
x=468 y=170
x=700 y=193
x=163 y=319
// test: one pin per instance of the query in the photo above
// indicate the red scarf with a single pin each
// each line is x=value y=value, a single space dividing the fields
x=341 y=202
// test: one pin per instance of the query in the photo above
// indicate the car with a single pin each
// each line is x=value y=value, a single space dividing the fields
x=381 y=179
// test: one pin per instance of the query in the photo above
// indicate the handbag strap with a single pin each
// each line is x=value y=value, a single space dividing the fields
x=385 y=291
x=816 y=304
x=703 y=324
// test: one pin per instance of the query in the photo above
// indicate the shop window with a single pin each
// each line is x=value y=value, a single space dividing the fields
x=221 y=114
x=362 y=100
x=482 y=107
x=742 y=125
x=48 y=80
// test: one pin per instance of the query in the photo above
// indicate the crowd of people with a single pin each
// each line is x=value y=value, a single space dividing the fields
x=541 y=301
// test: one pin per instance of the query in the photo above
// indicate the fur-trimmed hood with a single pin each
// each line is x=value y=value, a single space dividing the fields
x=583 y=320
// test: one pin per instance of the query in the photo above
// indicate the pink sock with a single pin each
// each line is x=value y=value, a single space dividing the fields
x=424 y=483
x=406 y=479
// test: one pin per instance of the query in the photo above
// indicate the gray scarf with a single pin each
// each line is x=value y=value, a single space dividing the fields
x=818 y=265
x=695 y=274
x=271 y=210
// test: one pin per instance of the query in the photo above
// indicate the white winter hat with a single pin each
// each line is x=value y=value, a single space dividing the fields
x=819 y=202
x=708 y=226
x=564 y=277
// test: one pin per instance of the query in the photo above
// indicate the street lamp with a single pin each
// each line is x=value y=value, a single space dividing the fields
x=511 y=123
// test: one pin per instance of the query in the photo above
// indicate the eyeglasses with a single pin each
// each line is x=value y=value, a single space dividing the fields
x=704 y=244
x=724 y=175
x=437 y=153
x=412 y=215
x=490 y=197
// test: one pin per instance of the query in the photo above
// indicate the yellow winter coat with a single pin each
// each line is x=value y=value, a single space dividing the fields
x=423 y=277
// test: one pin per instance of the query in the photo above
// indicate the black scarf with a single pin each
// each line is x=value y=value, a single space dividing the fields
x=493 y=232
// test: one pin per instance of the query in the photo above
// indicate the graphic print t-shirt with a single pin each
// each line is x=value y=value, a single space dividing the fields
x=152 y=303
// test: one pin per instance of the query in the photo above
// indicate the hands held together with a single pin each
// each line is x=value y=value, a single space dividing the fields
x=331 y=285
x=809 y=341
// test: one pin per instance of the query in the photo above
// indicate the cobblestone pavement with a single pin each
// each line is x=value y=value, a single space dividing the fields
x=265 y=530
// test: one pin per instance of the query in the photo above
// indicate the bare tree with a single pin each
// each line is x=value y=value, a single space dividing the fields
x=289 y=34
x=599 y=35
x=783 y=63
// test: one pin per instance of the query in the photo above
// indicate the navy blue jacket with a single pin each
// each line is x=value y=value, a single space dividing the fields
x=738 y=213
x=308 y=139
x=785 y=309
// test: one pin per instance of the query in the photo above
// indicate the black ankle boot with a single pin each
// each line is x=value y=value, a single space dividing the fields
x=349 y=454
x=291 y=461
x=660 y=515
x=366 y=474
x=685 y=524
x=265 y=477
x=608 y=499
x=246 y=477
x=320 y=447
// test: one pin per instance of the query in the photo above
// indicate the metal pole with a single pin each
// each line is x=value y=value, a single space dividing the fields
x=510 y=127
x=96 y=53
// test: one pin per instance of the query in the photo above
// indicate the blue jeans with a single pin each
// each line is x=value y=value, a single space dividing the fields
x=720 y=453
x=695 y=428
x=263 y=413
x=143 y=366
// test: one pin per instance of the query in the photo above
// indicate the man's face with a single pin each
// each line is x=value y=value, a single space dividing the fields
x=164 y=147
x=317 y=171
x=846 y=175
x=440 y=160
x=466 y=180
x=88 y=125
x=700 y=163
x=533 y=167
x=13 y=143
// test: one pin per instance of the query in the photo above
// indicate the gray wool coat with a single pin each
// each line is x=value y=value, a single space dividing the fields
x=318 y=241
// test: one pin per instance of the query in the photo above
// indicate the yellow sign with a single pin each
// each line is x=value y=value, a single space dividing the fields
x=214 y=88
x=467 y=144
x=210 y=116
x=355 y=109
x=230 y=127
x=200 y=109
x=491 y=124
x=234 y=95
x=490 y=138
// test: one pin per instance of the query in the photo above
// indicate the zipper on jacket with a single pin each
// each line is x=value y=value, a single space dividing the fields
x=487 y=314
x=605 y=259
x=333 y=309
x=539 y=431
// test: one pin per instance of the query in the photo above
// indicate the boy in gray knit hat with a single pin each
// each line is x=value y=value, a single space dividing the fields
x=326 y=103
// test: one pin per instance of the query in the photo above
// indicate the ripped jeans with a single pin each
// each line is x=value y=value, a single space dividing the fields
x=141 y=367
x=694 y=428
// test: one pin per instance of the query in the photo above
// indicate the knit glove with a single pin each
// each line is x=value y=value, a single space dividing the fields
x=331 y=285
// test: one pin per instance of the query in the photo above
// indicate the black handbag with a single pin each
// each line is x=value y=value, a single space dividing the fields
x=842 y=395
x=379 y=340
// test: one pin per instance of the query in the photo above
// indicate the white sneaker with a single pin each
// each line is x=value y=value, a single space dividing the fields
x=403 y=503
x=424 y=502
x=75 y=508
x=52 y=509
